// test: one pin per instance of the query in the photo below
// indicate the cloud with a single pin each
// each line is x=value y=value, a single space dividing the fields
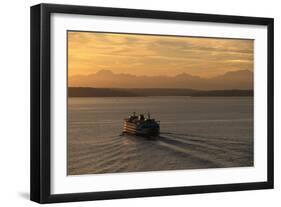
x=154 y=55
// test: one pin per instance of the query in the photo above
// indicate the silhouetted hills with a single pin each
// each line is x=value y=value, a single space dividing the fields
x=138 y=92
x=241 y=80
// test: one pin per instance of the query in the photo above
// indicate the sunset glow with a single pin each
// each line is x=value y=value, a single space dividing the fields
x=152 y=55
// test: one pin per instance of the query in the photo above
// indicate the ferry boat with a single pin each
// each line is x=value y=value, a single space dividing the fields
x=141 y=125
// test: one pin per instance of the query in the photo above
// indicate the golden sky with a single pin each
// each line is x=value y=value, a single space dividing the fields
x=151 y=55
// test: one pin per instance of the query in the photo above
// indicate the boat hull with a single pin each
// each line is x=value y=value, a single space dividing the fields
x=132 y=128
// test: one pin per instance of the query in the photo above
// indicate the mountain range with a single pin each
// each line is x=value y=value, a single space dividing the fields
x=240 y=80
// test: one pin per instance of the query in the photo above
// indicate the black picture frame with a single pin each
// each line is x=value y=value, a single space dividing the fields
x=40 y=184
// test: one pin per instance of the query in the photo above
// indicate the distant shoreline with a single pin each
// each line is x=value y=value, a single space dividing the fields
x=146 y=92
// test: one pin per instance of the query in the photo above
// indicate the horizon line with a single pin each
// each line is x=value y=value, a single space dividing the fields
x=162 y=88
x=183 y=73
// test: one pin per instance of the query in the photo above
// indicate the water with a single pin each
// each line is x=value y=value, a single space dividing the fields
x=196 y=133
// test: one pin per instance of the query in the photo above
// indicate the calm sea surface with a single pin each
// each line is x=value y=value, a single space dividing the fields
x=196 y=133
